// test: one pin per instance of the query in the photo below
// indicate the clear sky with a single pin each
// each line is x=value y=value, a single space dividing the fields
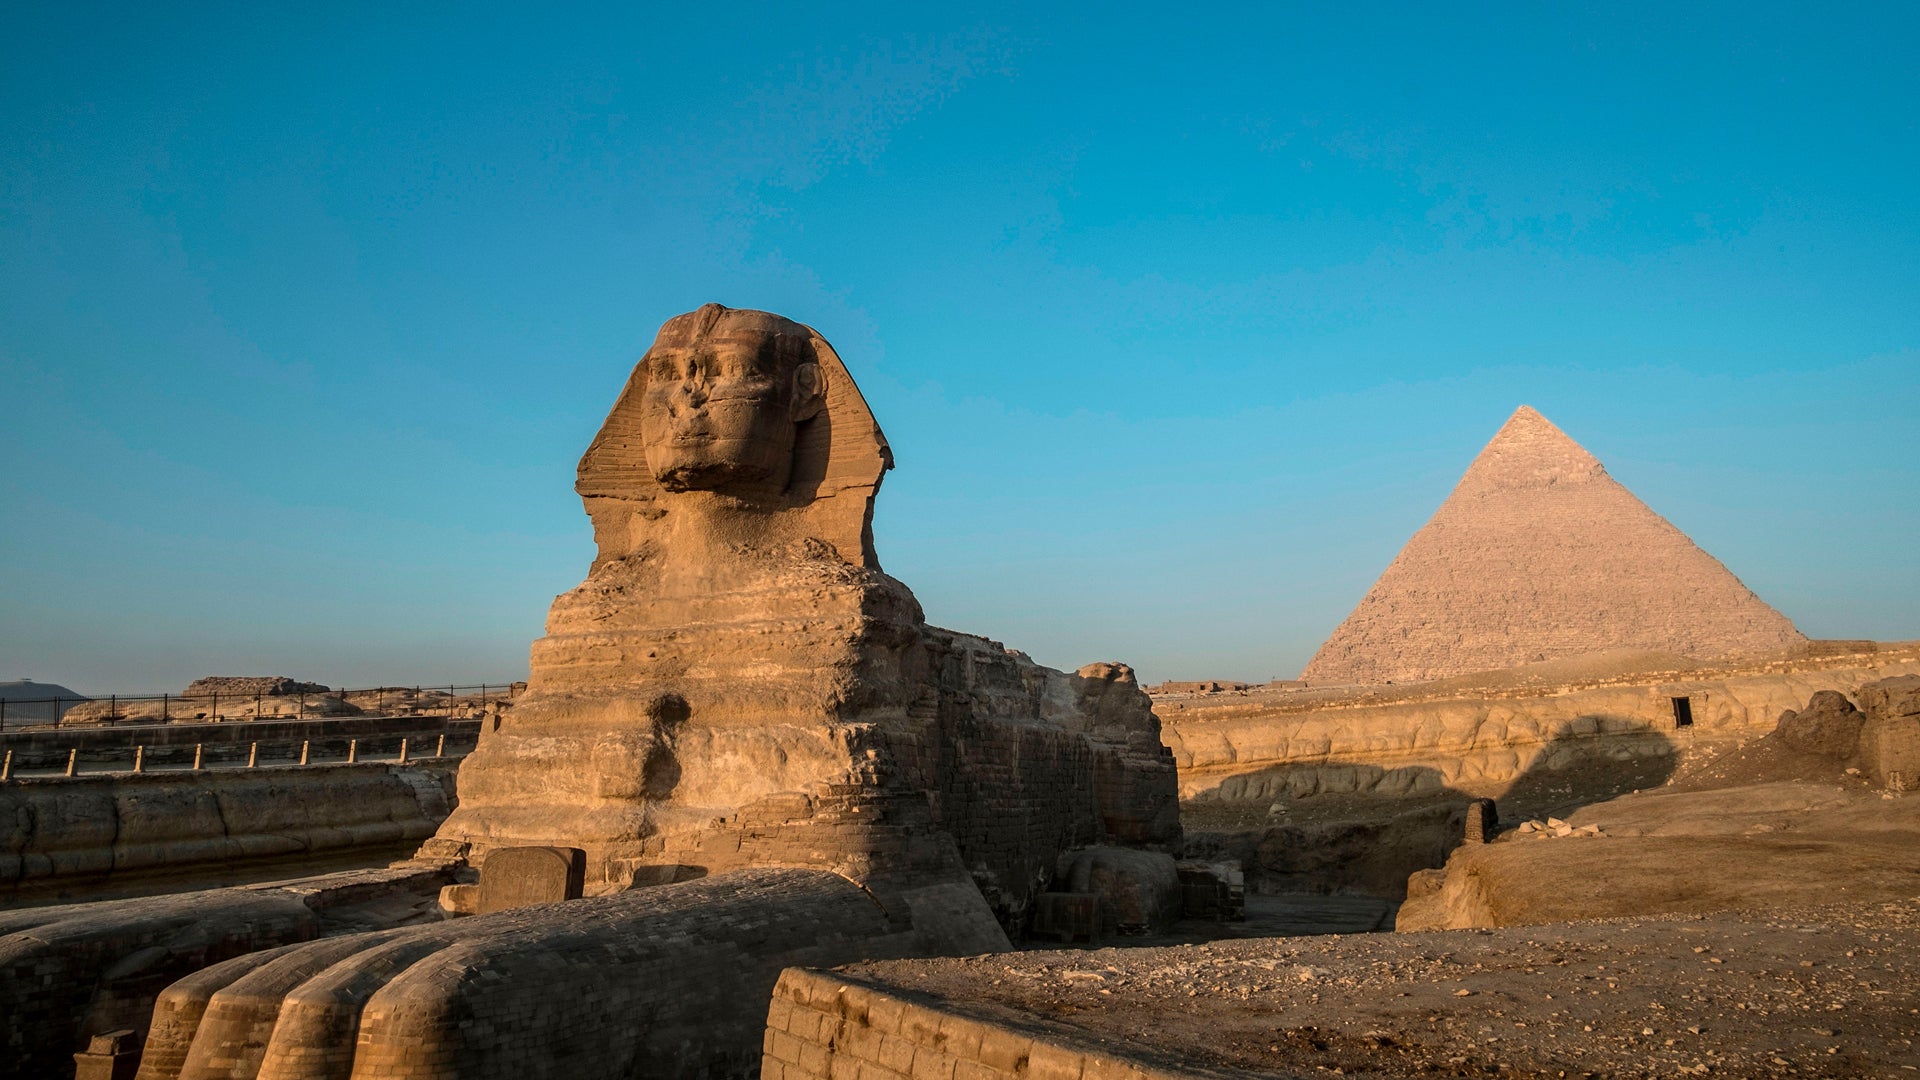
x=1180 y=320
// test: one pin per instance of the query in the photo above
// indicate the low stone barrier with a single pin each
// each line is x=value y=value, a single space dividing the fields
x=825 y=1026
x=90 y=828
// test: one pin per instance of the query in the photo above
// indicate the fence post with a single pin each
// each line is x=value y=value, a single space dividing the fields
x=113 y=707
x=163 y=708
x=440 y=748
x=73 y=761
x=56 y=709
x=3 y=714
x=303 y=751
x=196 y=755
x=6 y=767
x=256 y=704
x=253 y=755
x=140 y=759
x=403 y=750
x=450 y=691
x=353 y=750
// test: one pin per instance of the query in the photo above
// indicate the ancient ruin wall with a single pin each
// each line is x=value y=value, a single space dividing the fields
x=1539 y=554
x=1479 y=742
x=69 y=830
x=827 y=1026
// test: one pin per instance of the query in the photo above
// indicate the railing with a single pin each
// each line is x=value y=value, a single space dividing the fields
x=453 y=701
x=141 y=758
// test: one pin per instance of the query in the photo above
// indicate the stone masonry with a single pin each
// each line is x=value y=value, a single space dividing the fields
x=828 y=1026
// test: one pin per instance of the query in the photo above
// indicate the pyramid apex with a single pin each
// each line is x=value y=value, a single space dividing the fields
x=1529 y=451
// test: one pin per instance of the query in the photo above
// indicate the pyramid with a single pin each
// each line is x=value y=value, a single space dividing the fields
x=1538 y=555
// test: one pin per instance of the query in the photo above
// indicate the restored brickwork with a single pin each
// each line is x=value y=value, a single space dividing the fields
x=826 y=1026
x=1539 y=554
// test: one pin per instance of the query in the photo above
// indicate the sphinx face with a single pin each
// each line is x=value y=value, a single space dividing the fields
x=720 y=410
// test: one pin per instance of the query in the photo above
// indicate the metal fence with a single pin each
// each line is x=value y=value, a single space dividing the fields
x=452 y=700
x=322 y=750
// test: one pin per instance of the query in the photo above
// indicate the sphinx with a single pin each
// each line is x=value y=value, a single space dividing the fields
x=754 y=746
x=737 y=678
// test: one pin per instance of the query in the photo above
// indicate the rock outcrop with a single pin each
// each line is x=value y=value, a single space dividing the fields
x=1539 y=554
x=250 y=685
x=1794 y=817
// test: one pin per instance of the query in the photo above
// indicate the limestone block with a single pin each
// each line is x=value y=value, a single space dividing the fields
x=521 y=876
x=460 y=898
x=112 y=1055
x=1890 y=735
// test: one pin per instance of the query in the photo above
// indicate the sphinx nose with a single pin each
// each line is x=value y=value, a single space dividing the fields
x=693 y=389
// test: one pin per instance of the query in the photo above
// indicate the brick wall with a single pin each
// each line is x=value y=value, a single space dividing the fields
x=825 y=1026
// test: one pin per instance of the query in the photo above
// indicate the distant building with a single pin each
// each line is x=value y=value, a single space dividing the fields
x=23 y=701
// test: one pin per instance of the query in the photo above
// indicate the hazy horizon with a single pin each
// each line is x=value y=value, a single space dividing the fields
x=1178 y=329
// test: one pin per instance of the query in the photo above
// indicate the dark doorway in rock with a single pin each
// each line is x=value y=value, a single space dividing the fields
x=1682 y=712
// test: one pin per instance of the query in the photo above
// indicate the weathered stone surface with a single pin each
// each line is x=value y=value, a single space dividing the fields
x=1479 y=736
x=1829 y=726
x=1539 y=554
x=250 y=685
x=70 y=972
x=655 y=981
x=1483 y=822
x=65 y=832
x=524 y=876
x=1889 y=746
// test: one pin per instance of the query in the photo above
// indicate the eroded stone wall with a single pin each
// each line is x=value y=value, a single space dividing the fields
x=1277 y=745
x=63 y=830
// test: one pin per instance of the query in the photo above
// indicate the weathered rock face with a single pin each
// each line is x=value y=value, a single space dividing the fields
x=248 y=685
x=1828 y=727
x=1889 y=746
x=1539 y=554
x=737 y=683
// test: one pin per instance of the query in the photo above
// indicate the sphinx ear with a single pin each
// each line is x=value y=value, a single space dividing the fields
x=809 y=392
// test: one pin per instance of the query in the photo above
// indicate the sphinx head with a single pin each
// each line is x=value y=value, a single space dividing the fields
x=725 y=392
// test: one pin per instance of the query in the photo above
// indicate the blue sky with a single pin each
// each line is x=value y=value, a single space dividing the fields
x=1180 y=321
